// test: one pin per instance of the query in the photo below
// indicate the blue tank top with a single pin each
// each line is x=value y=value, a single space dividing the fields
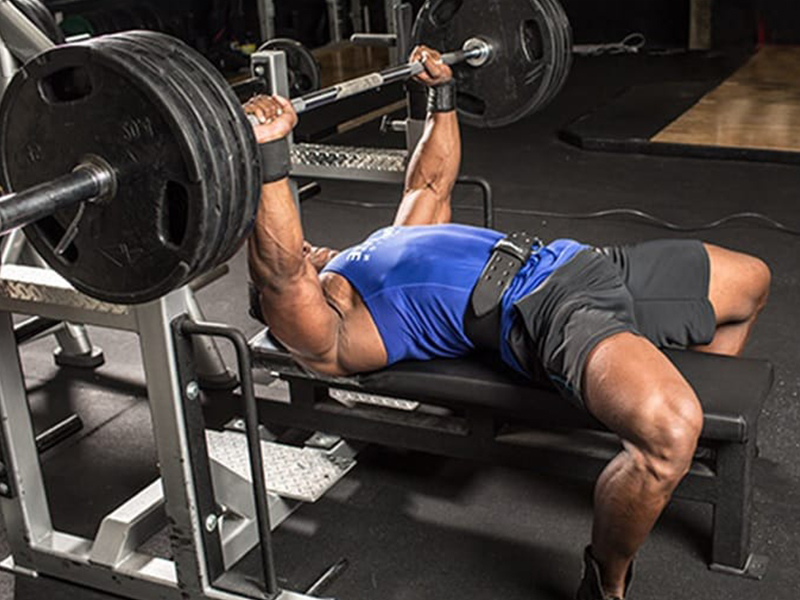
x=417 y=281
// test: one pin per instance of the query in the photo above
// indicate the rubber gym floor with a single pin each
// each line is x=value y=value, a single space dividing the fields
x=417 y=526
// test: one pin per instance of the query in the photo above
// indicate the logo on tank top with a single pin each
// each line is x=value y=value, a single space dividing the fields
x=364 y=250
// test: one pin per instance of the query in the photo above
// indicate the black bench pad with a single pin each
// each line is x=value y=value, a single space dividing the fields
x=731 y=390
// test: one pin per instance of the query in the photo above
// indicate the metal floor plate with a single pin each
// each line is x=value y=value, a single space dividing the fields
x=303 y=474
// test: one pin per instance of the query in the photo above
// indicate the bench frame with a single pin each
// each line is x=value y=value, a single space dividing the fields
x=721 y=475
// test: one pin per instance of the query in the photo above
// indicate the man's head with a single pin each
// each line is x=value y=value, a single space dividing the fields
x=319 y=257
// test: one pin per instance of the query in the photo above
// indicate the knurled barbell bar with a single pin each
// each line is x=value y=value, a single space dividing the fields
x=476 y=52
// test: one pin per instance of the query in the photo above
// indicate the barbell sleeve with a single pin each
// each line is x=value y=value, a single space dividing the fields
x=25 y=207
x=373 y=81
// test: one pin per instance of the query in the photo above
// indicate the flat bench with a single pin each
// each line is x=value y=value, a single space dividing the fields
x=475 y=408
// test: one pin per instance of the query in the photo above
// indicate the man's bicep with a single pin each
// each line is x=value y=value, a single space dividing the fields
x=301 y=318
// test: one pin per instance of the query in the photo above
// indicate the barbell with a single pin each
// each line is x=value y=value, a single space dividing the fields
x=136 y=168
x=476 y=52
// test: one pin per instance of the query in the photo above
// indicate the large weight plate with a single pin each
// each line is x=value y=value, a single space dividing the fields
x=528 y=59
x=302 y=67
x=245 y=194
x=149 y=56
x=561 y=25
x=77 y=100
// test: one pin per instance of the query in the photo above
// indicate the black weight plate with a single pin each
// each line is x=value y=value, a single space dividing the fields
x=160 y=71
x=78 y=100
x=303 y=68
x=524 y=62
x=41 y=16
x=561 y=25
x=248 y=199
x=548 y=7
x=219 y=144
x=243 y=158
x=152 y=51
x=245 y=198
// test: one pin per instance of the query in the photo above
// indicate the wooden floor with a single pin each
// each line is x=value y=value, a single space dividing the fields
x=343 y=61
x=757 y=107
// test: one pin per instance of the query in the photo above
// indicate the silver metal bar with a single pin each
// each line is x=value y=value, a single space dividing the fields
x=8 y=66
x=24 y=505
x=129 y=526
x=210 y=365
x=170 y=430
x=375 y=80
x=23 y=38
x=266 y=18
x=238 y=527
x=143 y=577
x=75 y=347
x=478 y=53
x=272 y=65
x=356 y=16
x=13 y=246
x=83 y=184
x=42 y=292
x=334 y=22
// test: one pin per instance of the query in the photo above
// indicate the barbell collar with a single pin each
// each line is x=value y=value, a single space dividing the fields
x=87 y=182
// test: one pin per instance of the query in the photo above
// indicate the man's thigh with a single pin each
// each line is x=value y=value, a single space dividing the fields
x=634 y=390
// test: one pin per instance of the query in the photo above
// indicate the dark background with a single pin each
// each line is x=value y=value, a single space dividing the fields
x=665 y=23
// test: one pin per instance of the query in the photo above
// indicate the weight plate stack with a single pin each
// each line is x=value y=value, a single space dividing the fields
x=528 y=54
x=124 y=99
x=245 y=194
x=303 y=68
x=150 y=54
x=560 y=23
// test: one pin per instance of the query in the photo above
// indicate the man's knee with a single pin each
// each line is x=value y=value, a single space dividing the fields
x=740 y=284
x=761 y=276
x=667 y=449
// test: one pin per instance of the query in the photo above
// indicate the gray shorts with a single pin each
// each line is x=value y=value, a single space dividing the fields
x=656 y=289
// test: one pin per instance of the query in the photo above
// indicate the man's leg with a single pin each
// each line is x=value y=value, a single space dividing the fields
x=632 y=388
x=738 y=291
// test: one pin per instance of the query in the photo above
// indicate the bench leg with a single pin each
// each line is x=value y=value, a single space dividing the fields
x=730 y=551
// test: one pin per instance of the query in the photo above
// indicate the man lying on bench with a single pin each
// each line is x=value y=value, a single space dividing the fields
x=589 y=320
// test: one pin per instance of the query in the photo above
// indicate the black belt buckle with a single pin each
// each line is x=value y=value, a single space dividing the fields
x=508 y=257
x=519 y=245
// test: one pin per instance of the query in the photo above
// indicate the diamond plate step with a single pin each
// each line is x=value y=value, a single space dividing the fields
x=349 y=162
x=298 y=473
x=350 y=399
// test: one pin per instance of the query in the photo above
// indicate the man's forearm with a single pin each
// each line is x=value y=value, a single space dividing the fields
x=276 y=246
x=437 y=158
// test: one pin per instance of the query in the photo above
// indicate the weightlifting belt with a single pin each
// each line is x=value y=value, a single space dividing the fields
x=482 y=320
